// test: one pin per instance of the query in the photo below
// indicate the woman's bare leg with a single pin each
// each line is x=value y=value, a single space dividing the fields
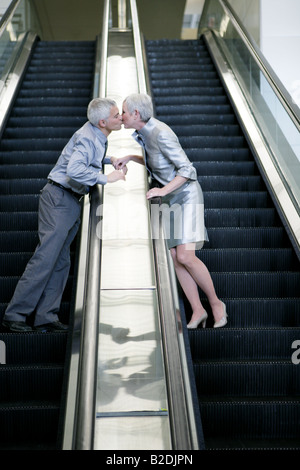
x=189 y=287
x=187 y=259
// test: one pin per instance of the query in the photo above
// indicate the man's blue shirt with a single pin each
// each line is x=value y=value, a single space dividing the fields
x=81 y=161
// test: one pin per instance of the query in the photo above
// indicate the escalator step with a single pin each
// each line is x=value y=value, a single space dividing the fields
x=35 y=144
x=17 y=157
x=30 y=383
x=248 y=237
x=50 y=101
x=19 y=221
x=253 y=420
x=257 y=284
x=209 y=84
x=241 y=218
x=179 y=60
x=205 y=130
x=189 y=95
x=236 y=199
x=28 y=170
x=247 y=260
x=22 y=186
x=40 y=92
x=176 y=72
x=11 y=203
x=203 y=119
x=229 y=183
x=21 y=133
x=60 y=110
x=209 y=155
x=247 y=379
x=192 y=104
x=225 y=168
x=30 y=427
x=254 y=313
x=73 y=122
x=17 y=241
x=264 y=313
x=248 y=344
x=34 y=348
x=212 y=141
x=14 y=264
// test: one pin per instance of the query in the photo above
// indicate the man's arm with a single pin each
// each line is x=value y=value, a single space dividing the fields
x=122 y=162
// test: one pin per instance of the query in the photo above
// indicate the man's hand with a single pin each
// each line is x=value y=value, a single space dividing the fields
x=116 y=175
x=120 y=163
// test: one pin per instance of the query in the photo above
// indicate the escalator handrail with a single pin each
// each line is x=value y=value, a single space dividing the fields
x=137 y=47
x=104 y=46
x=277 y=86
x=86 y=391
x=181 y=412
x=9 y=12
x=87 y=384
x=8 y=94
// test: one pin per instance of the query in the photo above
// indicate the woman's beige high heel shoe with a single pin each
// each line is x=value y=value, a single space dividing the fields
x=194 y=324
x=223 y=320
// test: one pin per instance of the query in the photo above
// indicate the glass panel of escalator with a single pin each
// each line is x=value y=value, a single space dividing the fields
x=130 y=364
x=275 y=123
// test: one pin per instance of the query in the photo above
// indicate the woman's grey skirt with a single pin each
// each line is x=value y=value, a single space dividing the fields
x=182 y=213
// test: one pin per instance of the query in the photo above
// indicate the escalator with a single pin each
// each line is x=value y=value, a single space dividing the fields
x=50 y=105
x=247 y=384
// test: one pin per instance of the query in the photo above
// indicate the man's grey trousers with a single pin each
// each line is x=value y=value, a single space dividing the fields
x=42 y=284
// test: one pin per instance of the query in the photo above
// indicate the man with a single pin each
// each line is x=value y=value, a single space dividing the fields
x=78 y=168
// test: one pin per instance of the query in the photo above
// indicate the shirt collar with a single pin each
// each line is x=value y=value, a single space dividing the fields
x=148 y=127
x=146 y=130
x=100 y=136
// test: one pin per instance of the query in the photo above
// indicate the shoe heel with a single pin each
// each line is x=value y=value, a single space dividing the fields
x=196 y=323
x=223 y=320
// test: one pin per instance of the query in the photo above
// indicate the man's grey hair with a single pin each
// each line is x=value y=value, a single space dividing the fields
x=142 y=103
x=99 y=108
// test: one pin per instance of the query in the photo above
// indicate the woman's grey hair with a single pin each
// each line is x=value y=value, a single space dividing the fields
x=99 y=108
x=141 y=103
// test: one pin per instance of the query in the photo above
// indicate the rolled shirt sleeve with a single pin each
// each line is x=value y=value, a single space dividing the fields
x=80 y=164
x=80 y=167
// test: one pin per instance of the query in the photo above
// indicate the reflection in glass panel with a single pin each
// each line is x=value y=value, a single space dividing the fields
x=130 y=365
x=276 y=126
x=131 y=391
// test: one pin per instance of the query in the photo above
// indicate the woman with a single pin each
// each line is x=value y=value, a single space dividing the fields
x=180 y=190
